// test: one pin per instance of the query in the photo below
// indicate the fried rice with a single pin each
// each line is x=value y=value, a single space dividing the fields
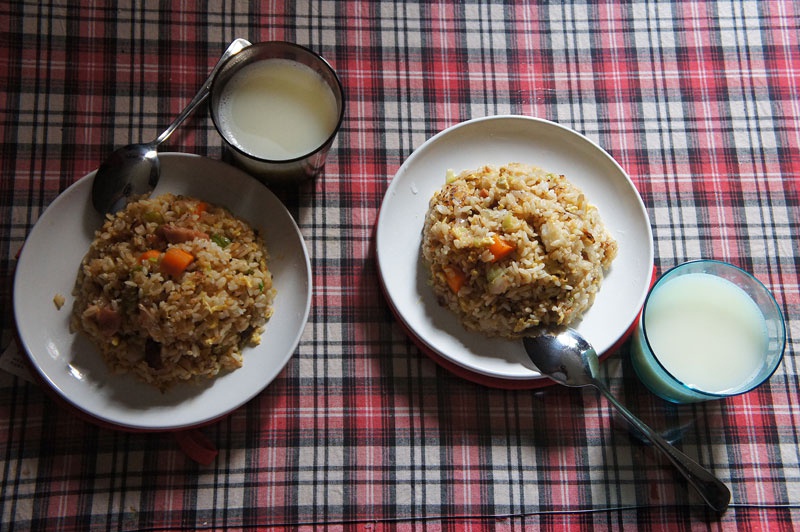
x=514 y=247
x=173 y=289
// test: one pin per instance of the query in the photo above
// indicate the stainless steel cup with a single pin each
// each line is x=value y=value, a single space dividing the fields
x=277 y=171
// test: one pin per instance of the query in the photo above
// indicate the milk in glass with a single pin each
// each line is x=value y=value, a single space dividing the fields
x=707 y=332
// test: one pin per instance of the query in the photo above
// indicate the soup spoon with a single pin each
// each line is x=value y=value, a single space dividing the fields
x=567 y=358
x=134 y=170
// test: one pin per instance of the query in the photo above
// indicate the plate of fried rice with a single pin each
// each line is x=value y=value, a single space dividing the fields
x=504 y=224
x=171 y=313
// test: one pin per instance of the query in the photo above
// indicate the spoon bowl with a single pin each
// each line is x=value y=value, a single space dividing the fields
x=130 y=171
x=133 y=170
x=565 y=358
x=569 y=359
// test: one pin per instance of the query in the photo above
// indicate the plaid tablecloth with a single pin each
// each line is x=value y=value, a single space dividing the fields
x=699 y=101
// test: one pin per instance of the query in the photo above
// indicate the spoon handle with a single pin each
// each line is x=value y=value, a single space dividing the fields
x=711 y=489
x=235 y=47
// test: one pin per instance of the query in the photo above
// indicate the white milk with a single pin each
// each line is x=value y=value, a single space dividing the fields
x=277 y=109
x=707 y=332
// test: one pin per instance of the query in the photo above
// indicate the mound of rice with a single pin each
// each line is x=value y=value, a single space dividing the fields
x=168 y=323
x=514 y=247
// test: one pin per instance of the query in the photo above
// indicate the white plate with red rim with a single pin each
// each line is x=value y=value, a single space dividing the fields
x=498 y=140
x=72 y=366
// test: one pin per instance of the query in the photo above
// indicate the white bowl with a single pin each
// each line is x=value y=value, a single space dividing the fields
x=498 y=140
x=71 y=364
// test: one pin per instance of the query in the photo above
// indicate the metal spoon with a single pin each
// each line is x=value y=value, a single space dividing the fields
x=134 y=170
x=567 y=358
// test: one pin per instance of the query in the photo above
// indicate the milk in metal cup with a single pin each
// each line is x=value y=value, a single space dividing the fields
x=277 y=109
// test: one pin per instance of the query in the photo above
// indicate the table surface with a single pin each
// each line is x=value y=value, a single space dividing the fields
x=698 y=101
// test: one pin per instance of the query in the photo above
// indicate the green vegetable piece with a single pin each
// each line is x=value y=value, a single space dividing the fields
x=493 y=273
x=509 y=223
x=153 y=216
x=221 y=240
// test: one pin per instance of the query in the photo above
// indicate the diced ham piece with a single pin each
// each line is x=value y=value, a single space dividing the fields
x=108 y=320
x=175 y=235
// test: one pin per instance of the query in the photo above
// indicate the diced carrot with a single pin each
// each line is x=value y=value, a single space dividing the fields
x=201 y=207
x=483 y=193
x=175 y=261
x=149 y=255
x=455 y=278
x=500 y=248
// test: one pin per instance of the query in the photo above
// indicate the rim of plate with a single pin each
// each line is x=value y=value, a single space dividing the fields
x=72 y=367
x=465 y=145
